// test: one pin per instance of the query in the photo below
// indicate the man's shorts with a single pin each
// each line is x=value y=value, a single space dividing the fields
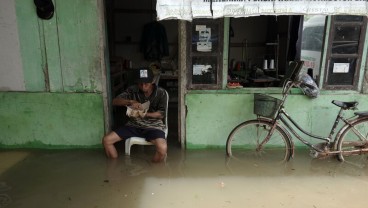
x=126 y=132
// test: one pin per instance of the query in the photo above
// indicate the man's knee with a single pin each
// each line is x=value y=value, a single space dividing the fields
x=110 y=138
x=105 y=140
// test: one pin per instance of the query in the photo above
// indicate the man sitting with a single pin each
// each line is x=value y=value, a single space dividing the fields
x=147 y=123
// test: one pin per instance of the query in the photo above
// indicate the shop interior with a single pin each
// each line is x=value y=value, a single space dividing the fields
x=259 y=50
x=137 y=40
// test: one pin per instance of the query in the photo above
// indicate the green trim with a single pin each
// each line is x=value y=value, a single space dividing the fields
x=363 y=63
x=324 y=52
x=273 y=90
x=238 y=91
x=225 y=54
x=339 y=92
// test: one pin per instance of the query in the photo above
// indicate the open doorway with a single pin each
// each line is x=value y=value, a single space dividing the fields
x=130 y=25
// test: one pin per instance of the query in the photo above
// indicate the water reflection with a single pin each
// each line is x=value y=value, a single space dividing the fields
x=300 y=165
x=200 y=178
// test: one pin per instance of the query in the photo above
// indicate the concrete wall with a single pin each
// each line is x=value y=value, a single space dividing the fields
x=11 y=75
x=53 y=88
x=212 y=115
x=52 y=120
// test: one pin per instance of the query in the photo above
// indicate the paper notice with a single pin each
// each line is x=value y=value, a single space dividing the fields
x=341 y=68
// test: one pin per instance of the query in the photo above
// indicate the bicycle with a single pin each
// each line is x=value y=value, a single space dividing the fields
x=268 y=137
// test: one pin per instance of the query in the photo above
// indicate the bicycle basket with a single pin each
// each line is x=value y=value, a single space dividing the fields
x=265 y=105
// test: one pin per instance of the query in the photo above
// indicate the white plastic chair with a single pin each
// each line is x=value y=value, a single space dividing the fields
x=142 y=141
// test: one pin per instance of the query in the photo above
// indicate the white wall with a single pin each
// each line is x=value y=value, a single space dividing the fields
x=11 y=73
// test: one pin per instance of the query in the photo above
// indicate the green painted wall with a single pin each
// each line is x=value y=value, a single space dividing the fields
x=50 y=119
x=63 y=69
x=31 y=46
x=213 y=114
x=79 y=32
x=63 y=54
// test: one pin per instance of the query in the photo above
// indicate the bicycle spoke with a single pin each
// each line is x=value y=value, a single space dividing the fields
x=355 y=140
x=245 y=140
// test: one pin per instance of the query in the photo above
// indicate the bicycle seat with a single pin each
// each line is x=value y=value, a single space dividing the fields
x=345 y=105
x=365 y=113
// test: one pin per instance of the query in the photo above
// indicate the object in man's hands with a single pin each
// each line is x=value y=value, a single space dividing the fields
x=135 y=113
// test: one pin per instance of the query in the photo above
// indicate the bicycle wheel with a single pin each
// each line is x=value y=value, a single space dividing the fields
x=354 y=138
x=245 y=139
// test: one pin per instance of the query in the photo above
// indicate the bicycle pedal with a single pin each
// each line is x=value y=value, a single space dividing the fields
x=320 y=155
x=314 y=153
x=322 y=146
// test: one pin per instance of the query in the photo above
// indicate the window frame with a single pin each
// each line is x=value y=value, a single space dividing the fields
x=357 y=56
x=218 y=54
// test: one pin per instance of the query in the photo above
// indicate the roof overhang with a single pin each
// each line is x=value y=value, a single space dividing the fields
x=191 y=9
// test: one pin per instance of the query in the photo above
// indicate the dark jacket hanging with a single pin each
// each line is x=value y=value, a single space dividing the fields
x=154 y=44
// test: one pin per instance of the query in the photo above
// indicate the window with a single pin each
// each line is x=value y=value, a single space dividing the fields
x=312 y=43
x=344 y=52
x=261 y=47
x=205 y=54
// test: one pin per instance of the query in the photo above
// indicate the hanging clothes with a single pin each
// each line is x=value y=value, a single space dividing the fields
x=154 y=43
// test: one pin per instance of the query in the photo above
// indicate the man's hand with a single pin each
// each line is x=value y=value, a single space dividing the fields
x=136 y=105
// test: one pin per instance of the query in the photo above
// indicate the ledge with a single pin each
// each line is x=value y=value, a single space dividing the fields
x=270 y=90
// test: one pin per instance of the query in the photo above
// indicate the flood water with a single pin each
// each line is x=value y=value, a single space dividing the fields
x=192 y=178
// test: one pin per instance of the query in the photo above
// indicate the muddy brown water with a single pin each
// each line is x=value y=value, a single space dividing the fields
x=192 y=178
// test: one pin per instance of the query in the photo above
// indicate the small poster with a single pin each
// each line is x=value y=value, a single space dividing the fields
x=341 y=68
x=204 y=44
x=201 y=69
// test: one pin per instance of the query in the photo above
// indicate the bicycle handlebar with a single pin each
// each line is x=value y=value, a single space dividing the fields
x=287 y=86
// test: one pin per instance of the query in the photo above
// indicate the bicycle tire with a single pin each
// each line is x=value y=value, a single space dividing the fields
x=244 y=140
x=350 y=141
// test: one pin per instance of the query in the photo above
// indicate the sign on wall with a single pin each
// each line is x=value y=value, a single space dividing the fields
x=190 y=9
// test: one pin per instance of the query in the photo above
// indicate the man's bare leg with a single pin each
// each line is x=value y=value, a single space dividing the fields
x=161 y=150
x=108 y=142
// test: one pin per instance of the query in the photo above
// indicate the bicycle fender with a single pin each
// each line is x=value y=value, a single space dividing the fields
x=344 y=128
x=291 y=142
x=361 y=113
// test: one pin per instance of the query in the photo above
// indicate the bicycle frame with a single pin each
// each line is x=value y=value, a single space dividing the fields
x=284 y=117
x=284 y=124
